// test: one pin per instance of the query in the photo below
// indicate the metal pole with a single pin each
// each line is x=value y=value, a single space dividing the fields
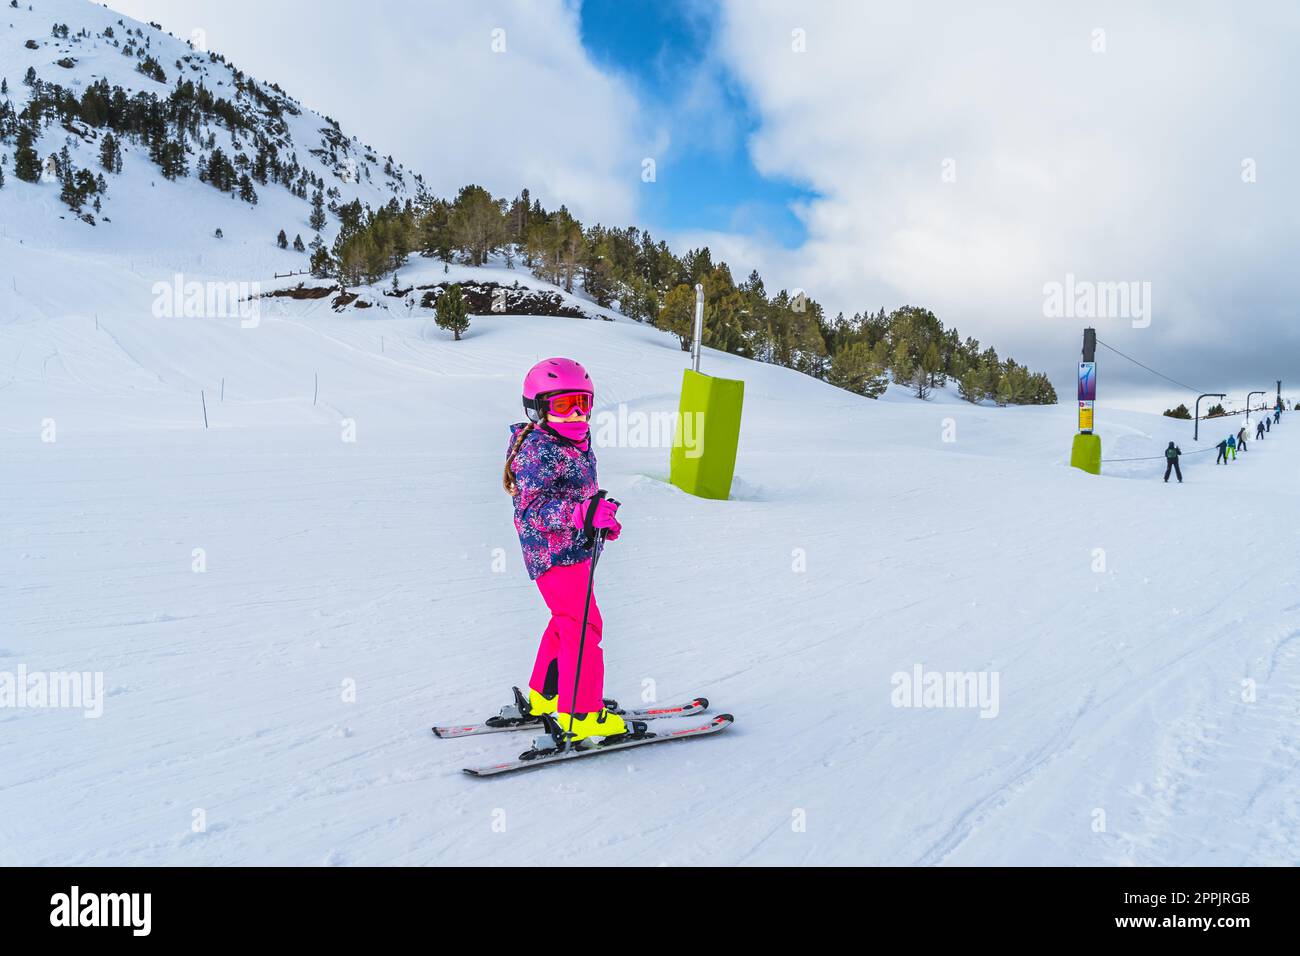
x=699 y=328
x=1196 y=430
x=1258 y=391
x=597 y=546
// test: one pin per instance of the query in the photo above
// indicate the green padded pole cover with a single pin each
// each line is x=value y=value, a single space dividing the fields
x=1086 y=453
x=703 y=457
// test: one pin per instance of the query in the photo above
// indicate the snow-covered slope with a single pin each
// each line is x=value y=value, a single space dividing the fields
x=860 y=544
x=1143 y=637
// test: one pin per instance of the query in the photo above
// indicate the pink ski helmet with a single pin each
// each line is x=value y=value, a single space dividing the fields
x=550 y=376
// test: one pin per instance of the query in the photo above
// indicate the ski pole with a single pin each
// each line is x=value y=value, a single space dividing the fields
x=598 y=542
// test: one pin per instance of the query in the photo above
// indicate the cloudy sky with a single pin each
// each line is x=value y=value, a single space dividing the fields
x=874 y=154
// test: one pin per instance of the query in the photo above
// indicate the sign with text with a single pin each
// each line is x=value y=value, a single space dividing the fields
x=1087 y=381
x=1087 y=394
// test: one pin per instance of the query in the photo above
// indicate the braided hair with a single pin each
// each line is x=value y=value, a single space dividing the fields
x=508 y=478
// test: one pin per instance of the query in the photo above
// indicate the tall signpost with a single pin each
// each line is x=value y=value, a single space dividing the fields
x=709 y=406
x=697 y=340
x=1086 y=453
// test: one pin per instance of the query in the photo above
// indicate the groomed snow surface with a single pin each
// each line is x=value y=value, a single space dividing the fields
x=1143 y=636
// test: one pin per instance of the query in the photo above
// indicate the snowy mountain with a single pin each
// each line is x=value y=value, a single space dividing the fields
x=76 y=50
x=281 y=542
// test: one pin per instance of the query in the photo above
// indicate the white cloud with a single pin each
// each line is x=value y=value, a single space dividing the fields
x=1122 y=165
x=419 y=80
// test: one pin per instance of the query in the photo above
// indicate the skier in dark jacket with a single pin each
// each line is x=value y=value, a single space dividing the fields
x=1223 y=453
x=1277 y=415
x=1241 y=438
x=1171 y=457
x=1259 y=431
x=1268 y=424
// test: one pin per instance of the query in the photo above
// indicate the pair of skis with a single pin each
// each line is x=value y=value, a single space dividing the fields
x=551 y=748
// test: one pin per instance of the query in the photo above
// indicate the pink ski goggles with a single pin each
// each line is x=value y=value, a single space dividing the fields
x=567 y=403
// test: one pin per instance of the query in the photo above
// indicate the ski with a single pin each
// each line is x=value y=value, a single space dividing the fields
x=508 y=722
x=538 y=758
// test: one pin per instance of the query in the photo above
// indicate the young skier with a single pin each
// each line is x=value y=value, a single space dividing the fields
x=1222 y=458
x=551 y=474
x=1171 y=456
x=1259 y=432
x=1232 y=446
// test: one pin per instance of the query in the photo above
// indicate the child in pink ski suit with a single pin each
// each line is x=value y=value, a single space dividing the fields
x=550 y=472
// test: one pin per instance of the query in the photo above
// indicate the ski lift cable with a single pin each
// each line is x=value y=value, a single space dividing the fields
x=1200 y=451
x=1150 y=369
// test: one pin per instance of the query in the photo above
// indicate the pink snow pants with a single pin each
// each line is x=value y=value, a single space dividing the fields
x=564 y=588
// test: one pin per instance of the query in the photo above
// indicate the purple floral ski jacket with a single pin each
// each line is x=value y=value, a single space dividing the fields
x=553 y=476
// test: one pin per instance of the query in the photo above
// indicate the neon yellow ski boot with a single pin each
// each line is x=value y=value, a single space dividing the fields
x=539 y=705
x=600 y=723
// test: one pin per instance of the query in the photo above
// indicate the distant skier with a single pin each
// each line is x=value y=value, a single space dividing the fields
x=1241 y=438
x=1171 y=457
x=1223 y=453
x=1268 y=424
x=550 y=472
x=1277 y=415
x=1259 y=431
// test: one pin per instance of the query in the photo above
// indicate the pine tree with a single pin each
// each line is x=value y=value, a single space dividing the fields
x=282 y=240
x=973 y=386
x=924 y=375
x=856 y=368
x=68 y=193
x=451 y=314
x=478 y=225
x=321 y=263
x=432 y=234
x=317 y=220
x=110 y=154
x=27 y=165
x=901 y=364
x=297 y=244
x=677 y=315
x=246 y=192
